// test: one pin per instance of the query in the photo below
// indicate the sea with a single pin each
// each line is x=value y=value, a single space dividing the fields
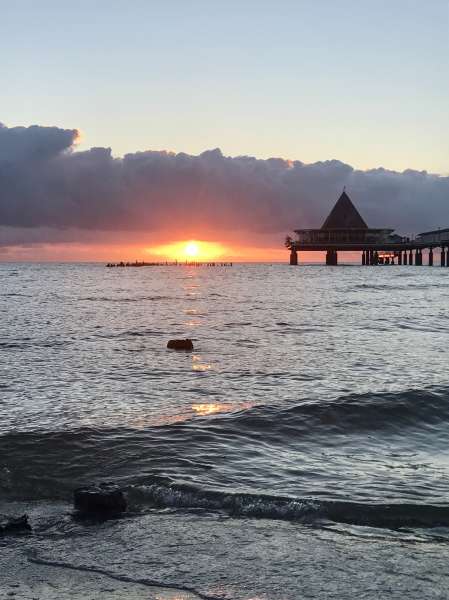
x=299 y=451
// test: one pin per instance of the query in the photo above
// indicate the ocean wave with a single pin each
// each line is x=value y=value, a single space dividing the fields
x=126 y=299
x=306 y=510
x=397 y=287
x=26 y=343
x=374 y=412
x=312 y=445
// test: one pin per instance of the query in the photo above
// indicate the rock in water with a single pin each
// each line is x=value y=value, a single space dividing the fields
x=14 y=525
x=104 y=500
x=180 y=344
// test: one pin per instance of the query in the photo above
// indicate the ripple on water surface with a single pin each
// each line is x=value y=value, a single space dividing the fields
x=315 y=383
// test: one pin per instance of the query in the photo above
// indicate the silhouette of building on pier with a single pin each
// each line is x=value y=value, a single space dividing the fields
x=345 y=230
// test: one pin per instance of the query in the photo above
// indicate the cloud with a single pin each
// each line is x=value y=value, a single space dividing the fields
x=49 y=191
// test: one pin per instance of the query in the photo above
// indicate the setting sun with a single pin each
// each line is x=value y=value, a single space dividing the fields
x=191 y=249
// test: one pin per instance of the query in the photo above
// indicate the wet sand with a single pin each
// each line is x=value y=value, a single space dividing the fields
x=22 y=578
x=190 y=555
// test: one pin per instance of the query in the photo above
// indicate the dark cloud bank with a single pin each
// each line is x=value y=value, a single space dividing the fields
x=45 y=186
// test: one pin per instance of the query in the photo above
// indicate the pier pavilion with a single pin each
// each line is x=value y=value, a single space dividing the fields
x=345 y=230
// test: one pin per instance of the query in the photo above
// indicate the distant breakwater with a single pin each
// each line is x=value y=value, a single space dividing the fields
x=169 y=264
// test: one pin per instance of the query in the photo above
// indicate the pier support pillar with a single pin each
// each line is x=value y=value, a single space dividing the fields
x=376 y=257
x=410 y=258
x=447 y=257
x=405 y=258
x=400 y=258
x=443 y=258
x=293 y=257
x=418 y=255
x=430 y=257
x=331 y=258
x=363 y=258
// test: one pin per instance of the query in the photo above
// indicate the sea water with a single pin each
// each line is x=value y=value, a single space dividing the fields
x=301 y=449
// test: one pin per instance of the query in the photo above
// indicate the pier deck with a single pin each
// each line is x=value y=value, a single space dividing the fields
x=381 y=247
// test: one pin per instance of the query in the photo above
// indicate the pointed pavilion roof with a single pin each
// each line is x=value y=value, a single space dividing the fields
x=344 y=215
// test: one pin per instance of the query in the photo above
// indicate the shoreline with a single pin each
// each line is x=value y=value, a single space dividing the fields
x=186 y=555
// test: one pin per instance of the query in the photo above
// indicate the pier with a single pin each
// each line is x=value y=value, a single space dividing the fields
x=344 y=230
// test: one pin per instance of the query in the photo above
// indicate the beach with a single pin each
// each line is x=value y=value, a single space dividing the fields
x=221 y=558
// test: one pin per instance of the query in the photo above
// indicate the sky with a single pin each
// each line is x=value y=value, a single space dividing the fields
x=359 y=89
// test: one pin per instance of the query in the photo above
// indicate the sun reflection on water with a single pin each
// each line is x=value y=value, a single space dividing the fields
x=210 y=408
x=169 y=595
x=201 y=368
x=198 y=365
x=192 y=323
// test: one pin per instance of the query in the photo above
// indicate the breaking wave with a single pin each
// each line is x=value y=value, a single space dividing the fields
x=361 y=459
x=306 y=510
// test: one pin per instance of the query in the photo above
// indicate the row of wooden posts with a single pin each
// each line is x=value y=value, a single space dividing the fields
x=406 y=257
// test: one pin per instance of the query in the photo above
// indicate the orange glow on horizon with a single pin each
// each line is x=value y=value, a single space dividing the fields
x=189 y=250
x=123 y=251
x=116 y=248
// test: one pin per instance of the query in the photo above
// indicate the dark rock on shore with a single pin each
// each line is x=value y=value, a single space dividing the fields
x=104 y=500
x=180 y=344
x=11 y=525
